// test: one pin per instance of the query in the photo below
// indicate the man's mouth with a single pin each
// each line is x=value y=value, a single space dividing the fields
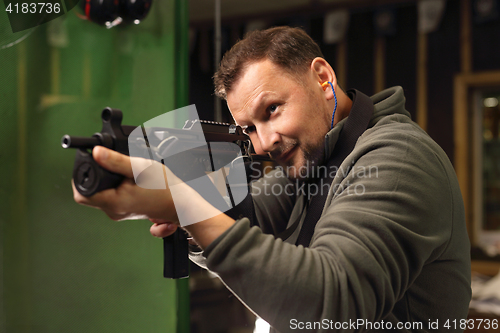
x=286 y=155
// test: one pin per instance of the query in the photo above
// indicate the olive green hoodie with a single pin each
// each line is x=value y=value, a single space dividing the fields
x=390 y=247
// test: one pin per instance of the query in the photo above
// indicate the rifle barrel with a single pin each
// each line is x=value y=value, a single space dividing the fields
x=68 y=141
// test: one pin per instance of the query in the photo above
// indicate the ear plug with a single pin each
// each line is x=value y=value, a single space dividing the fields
x=325 y=85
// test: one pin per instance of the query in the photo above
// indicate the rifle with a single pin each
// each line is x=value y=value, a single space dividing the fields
x=90 y=178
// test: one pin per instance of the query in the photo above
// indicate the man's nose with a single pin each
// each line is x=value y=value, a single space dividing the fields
x=268 y=138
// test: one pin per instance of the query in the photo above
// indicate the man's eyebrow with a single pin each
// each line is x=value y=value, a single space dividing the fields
x=263 y=98
x=256 y=104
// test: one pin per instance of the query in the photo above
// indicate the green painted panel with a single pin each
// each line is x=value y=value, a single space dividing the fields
x=65 y=267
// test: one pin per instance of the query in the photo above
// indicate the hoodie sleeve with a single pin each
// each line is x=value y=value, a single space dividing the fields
x=272 y=212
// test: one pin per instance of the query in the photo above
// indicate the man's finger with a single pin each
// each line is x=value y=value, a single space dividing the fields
x=113 y=161
x=77 y=196
x=98 y=200
x=162 y=230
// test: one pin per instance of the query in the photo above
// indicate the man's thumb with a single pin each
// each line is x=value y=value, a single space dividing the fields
x=113 y=161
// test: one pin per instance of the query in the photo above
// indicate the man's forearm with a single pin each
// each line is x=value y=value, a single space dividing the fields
x=205 y=232
x=191 y=206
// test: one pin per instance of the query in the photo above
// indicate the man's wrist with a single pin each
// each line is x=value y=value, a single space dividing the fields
x=205 y=232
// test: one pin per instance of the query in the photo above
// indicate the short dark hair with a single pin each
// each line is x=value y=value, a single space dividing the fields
x=290 y=48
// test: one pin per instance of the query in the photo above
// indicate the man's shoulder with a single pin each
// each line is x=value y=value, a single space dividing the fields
x=393 y=126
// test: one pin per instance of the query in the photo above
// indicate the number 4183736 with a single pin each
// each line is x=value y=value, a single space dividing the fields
x=34 y=8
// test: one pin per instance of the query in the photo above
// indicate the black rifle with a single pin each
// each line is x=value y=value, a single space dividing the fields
x=90 y=178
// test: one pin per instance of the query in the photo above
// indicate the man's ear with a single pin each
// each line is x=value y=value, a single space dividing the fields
x=324 y=73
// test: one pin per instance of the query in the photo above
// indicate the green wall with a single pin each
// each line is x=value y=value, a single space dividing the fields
x=66 y=267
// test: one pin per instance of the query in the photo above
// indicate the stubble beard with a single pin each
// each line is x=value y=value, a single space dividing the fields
x=313 y=156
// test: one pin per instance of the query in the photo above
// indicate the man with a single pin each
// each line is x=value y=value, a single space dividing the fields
x=390 y=250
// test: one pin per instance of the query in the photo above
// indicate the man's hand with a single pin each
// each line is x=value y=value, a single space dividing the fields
x=128 y=201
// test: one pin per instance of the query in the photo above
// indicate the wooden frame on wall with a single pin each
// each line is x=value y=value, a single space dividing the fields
x=464 y=85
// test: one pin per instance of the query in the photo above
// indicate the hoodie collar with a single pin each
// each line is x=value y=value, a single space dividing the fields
x=386 y=102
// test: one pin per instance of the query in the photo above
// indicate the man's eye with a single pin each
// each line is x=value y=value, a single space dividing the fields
x=273 y=108
x=249 y=129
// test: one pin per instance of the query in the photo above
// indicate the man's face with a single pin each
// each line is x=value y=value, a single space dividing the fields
x=284 y=118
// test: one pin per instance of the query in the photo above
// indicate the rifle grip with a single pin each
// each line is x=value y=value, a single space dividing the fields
x=89 y=177
x=175 y=255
